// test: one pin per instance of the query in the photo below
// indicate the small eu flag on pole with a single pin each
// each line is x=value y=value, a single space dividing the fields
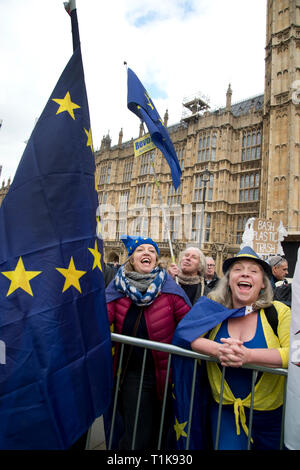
x=140 y=103
x=56 y=361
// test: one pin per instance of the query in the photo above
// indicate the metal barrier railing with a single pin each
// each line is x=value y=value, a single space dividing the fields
x=170 y=349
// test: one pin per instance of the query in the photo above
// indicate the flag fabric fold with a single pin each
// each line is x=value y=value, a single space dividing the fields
x=56 y=361
x=140 y=103
x=203 y=316
x=292 y=411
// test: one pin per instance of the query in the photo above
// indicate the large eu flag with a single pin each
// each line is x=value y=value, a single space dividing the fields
x=56 y=361
x=140 y=103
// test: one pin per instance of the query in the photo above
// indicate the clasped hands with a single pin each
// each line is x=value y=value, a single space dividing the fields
x=232 y=353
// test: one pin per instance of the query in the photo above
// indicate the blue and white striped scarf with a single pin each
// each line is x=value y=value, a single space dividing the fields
x=128 y=282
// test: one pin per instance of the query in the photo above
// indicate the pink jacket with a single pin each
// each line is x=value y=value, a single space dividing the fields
x=162 y=317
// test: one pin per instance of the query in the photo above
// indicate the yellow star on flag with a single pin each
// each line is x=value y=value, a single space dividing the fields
x=66 y=104
x=149 y=100
x=96 y=186
x=179 y=428
x=97 y=257
x=20 y=278
x=72 y=276
x=89 y=142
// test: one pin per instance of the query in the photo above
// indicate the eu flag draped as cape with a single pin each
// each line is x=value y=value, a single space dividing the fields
x=203 y=316
x=140 y=103
x=56 y=370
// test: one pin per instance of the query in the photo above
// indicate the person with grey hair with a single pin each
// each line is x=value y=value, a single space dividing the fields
x=190 y=273
x=280 y=270
x=211 y=278
x=283 y=292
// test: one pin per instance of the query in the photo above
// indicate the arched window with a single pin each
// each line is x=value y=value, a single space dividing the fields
x=207 y=147
x=251 y=145
x=249 y=187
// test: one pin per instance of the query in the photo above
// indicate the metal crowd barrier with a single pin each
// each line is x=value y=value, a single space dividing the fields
x=170 y=349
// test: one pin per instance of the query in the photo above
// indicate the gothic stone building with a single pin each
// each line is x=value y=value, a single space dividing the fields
x=251 y=150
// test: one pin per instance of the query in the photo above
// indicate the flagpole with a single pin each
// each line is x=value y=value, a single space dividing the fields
x=162 y=208
x=164 y=214
x=157 y=184
x=70 y=7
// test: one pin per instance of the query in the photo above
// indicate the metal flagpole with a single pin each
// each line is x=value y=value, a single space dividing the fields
x=160 y=199
x=164 y=214
x=162 y=208
x=69 y=7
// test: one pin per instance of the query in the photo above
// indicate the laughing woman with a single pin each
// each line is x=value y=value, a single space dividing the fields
x=248 y=339
x=144 y=301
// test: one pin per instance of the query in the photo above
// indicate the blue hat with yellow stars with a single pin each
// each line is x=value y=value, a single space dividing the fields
x=131 y=243
x=247 y=253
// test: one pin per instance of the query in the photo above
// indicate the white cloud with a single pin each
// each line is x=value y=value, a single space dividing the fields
x=189 y=46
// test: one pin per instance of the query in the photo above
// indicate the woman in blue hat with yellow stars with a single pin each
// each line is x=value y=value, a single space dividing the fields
x=143 y=301
x=237 y=321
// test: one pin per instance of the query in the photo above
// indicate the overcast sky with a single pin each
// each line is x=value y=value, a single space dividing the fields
x=177 y=48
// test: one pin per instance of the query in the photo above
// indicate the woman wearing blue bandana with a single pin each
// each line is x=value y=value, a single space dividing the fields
x=143 y=301
x=238 y=333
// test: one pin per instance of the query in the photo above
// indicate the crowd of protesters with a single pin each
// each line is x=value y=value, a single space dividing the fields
x=148 y=301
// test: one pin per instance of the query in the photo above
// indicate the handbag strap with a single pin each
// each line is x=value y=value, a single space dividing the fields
x=134 y=331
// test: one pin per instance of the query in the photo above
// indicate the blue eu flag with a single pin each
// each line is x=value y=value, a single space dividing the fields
x=140 y=103
x=56 y=361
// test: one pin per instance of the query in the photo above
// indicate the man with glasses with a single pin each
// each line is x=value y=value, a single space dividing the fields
x=280 y=270
x=211 y=277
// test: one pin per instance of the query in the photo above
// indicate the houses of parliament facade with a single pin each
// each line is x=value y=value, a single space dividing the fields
x=250 y=151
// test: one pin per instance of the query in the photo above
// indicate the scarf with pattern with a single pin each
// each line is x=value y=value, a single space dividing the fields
x=142 y=289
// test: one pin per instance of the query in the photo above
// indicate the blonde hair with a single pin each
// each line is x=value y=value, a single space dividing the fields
x=222 y=293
